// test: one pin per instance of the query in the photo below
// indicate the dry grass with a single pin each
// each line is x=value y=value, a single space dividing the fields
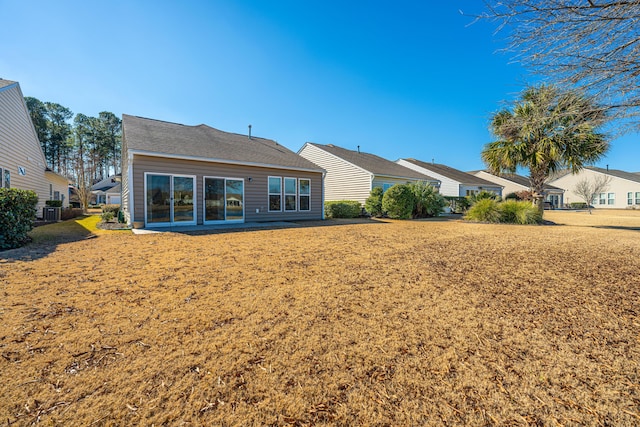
x=371 y=323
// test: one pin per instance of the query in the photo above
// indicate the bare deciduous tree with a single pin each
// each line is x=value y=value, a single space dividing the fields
x=587 y=188
x=594 y=44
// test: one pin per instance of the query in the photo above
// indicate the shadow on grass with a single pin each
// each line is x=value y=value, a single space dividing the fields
x=615 y=227
x=45 y=238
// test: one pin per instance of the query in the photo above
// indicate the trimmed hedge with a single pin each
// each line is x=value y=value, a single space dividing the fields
x=373 y=204
x=342 y=209
x=53 y=203
x=398 y=201
x=17 y=216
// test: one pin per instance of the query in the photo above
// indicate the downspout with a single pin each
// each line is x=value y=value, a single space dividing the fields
x=130 y=188
x=324 y=175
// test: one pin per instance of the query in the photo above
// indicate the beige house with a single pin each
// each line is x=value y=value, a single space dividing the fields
x=175 y=175
x=454 y=182
x=22 y=162
x=623 y=191
x=351 y=175
x=514 y=183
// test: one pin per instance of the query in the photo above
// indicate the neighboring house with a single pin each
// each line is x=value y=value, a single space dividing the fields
x=174 y=174
x=106 y=191
x=513 y=183
x=22 y=162
x=352 y=174
x=454 y=182
x=623 y=191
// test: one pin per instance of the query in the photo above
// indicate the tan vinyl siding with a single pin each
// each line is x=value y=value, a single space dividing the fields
x=343 y=181
x=618 y=186
x=19 y=146
x=255 y=191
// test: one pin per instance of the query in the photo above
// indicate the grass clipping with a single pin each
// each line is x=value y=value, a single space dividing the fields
x=372 y=323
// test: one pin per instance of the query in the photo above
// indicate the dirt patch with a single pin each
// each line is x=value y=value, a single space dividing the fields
x=368 y=323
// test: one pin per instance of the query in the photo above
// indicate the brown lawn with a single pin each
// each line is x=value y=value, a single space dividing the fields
x=356 y=323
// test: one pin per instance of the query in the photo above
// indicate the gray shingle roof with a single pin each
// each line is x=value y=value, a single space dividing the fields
x=372 y=163
x=209 y=144
x=524 y=181
x=5 y=83
x=630 y=176
x=454 y=174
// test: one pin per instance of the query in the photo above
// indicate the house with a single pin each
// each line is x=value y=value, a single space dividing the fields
x=454 y=183
x=622 y=192
x=513 y=183
x=351 y=175
x=174 y=174
x=22 y=162
x=106 y=191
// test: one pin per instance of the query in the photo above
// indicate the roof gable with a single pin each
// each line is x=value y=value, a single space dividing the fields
x=373 y=164
x=205 y=143
x=629 y=176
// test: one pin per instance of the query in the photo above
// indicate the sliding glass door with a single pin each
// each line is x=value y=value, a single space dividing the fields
x=169 y=199
x=223 y=199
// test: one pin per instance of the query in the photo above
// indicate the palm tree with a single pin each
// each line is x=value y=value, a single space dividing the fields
x=546 y=130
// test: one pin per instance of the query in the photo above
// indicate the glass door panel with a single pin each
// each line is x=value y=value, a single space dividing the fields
x=234 y=199
x=158 y=198
x=214 y=199
x=183 y=199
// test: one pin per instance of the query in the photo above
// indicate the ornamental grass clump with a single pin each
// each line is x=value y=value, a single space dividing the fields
x=508 y=212
x=484 y=210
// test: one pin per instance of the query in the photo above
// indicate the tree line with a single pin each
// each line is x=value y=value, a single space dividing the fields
x=82 y=148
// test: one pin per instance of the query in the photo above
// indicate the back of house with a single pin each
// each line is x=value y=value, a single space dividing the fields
x=175 y=174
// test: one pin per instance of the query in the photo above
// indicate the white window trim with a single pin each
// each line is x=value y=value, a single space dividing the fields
x=269 y=194
x=305 y=195
x=204 y=204
x=294 y=194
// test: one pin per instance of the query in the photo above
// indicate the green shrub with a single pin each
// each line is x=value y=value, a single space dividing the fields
x=53 y=203
x=107 y=216
x=398 y=201
x=458 y=204
x=373 y=204
x=484 y=210
x=427 y=201
x=512 y=196
x=342 y=209
x=482 y=195
x=519 y=212
x=17 y=215
x=114 y=209
x=70 y=213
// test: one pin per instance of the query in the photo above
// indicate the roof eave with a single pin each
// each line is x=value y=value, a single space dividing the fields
x=134 y=152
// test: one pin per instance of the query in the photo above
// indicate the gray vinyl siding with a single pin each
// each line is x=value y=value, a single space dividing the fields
x=256 y=195
x=19 y=147
x=343 y=181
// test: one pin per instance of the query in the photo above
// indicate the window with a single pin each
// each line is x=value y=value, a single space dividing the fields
x=275 y=194
x=56 y=195
x=304 y=186
x=638 y=198
x=603 y=198
x=290 y=194
x=629 y=198
x=51 y=192
x=385 y=187
x=7 y=179
x=612 y=199
x=471 y=192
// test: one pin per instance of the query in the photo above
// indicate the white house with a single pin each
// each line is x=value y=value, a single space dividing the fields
x=623 y=190
x=453 y=182
x=22 y=162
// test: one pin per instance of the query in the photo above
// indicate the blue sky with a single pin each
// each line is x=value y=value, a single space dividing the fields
x=400 y=79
